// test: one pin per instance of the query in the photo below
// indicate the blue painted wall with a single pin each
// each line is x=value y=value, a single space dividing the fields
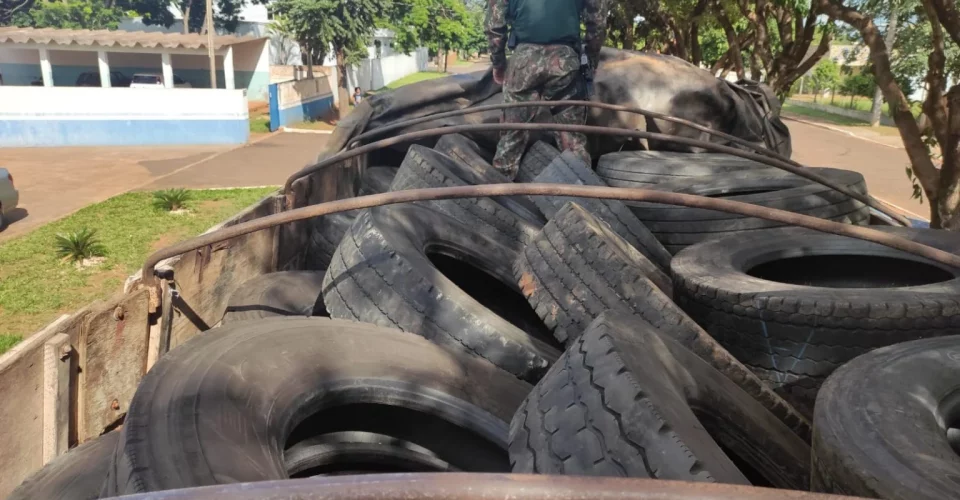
x=255 y=82
x=312 y=109
x=40 y=133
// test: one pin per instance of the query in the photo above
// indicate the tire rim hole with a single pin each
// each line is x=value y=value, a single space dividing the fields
x=381 y=438
x=850 y=271
x=949 y=415
x=490 y=292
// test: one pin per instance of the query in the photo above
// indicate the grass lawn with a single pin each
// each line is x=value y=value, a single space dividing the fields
x=843 y=121
x=36 y=286
x=414 y=78
x=860 y=103
x=822 y=115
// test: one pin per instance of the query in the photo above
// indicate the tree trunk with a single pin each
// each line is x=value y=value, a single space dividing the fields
x=696 y=52
x=913 y=142
x=344 y=97
x=186 y=17
x=733 y=42
x=949 y=200
x=629 y=38
x=889 y=39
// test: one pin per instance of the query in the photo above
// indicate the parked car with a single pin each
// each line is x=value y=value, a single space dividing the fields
x=91 y=79
x=150 y=80
x=8 y=195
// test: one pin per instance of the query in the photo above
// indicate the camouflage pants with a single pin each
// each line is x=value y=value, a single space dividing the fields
x=541 y=72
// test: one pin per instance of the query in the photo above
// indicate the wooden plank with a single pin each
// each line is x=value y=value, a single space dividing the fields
x=207 y=277
x=56 y=396
x=114 y=359
x=21 y=411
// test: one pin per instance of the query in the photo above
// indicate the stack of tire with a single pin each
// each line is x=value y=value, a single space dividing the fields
x=540 y=336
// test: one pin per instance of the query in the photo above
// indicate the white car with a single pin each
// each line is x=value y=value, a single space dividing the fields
x=152 y=81
x=8 y=196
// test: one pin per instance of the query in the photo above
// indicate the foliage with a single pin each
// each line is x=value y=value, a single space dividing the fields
x=858 y=84
x=69 y=14
x=826 y=75
x=171 y=199
x=439 y=25
x=10 y=8
x=79 y=245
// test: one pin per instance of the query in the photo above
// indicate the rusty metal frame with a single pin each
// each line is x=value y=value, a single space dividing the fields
x=586 y=129
x=600 y=192
x=465 y=486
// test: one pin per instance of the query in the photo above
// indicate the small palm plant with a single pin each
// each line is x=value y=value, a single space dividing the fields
x=171 y=199
x=80 y=245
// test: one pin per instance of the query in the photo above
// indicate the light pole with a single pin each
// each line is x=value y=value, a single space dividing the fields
x=210 y=51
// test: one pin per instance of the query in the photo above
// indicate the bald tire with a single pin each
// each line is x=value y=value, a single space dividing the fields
x=568 y=169
x=77 y=475
x=576 y=269
x=425 y=168
x=376 y=180
x=288 y=293
x=887 y=424
x=537 y=158
x=326 y=232
x=221 y=407
x=642 y=169
x=624 y=401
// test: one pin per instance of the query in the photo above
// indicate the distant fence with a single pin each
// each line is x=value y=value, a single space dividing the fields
x=298 y=101
x=373 y=74
x=849 y=113
x=96 y=116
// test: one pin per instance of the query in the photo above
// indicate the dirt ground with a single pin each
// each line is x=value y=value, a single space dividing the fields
x=55 y=182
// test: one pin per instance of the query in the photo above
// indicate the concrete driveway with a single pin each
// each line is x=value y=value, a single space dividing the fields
x=55 y=182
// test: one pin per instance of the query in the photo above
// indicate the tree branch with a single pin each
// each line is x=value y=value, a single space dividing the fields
x=933 y=105
x=923 y=166
x=735 y=51
x=949 y=16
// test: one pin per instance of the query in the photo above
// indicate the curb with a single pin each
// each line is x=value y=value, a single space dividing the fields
x=305 y=131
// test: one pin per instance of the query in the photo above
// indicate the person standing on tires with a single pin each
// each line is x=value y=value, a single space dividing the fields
x=549 y=63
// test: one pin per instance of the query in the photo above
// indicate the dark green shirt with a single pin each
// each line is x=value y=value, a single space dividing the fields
x=546 y=22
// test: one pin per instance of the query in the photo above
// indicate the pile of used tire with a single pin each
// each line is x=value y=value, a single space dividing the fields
x=565 y=336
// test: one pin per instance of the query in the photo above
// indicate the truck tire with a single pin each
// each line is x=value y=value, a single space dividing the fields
x=289 y=293
x=222 y=407
x=573 y=272
x=325 y=235
x=623 y=401
x=537 y=158
x=425 y=168
x=77 y=475
x=359 y=453
x=376 y=180
x=568 y=169
x=795 y=304
x=679 y=227
x=576 y=268
x=465 y=151
x=642 y=169
x=888 y=423
x=387 y=272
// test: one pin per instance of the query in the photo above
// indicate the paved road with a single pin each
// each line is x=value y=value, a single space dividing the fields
x=883 y=166
x=55 y=182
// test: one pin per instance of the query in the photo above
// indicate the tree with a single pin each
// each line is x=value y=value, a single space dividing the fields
x=440 y=25
x=345 y=26
x=858 y=85
x=69 y=14
x=11 y=8
x=941 y=107
x=826 y=75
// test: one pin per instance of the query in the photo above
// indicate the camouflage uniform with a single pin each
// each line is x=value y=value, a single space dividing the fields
x=538 y=72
